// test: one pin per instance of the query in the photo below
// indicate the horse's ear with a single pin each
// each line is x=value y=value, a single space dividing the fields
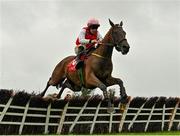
x=121 y=23
x=111 y=23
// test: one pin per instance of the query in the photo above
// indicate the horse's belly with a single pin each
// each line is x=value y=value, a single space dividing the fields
x=102 y=70
x=102 y=74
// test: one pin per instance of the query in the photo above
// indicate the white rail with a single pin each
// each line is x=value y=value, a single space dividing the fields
x=129 y=116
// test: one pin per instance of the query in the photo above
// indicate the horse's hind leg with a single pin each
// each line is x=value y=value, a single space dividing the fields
x=61 y=91
x=47 y=86
x=51 y=82
x=66 y=84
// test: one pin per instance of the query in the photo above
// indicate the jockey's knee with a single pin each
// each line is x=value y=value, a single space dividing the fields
x=79 y=49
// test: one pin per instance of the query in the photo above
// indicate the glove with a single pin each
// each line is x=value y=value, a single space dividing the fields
x=93 y=41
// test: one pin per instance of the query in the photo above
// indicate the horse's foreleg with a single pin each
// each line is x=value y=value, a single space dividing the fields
x=112 y=81
x=92 y=80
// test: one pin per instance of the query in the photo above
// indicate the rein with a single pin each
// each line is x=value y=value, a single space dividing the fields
x=108 y=44
x=113 y=44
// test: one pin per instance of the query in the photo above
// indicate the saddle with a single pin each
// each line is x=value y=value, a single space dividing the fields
x=74 y=65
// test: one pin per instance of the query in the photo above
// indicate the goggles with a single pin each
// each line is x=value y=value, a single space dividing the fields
x=94 y=27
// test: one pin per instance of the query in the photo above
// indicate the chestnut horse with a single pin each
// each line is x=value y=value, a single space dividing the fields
x=97 y=68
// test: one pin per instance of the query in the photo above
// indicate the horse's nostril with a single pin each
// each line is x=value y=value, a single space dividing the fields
x=125 y=47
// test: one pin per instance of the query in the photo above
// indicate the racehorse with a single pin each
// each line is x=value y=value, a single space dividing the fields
x=97 y=67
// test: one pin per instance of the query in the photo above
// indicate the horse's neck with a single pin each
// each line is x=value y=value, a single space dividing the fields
x=104 y=49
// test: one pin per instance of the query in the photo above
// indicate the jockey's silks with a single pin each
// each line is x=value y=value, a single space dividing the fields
x=88 y=36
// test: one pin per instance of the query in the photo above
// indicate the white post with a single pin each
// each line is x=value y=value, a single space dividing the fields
x=24 y=117
x=178 y=126
x=130 y=125
x=62 y=119
x=47 y=118
x=110 y=122
x=163 y=117
x=173 y=115
x=149 y=118
x=5 y=109
x=123 y=115
x=77 y=117
x=95 y=116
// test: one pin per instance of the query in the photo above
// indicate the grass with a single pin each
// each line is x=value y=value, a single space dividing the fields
x=175 y=133
x=151 y=133
x=164 y=133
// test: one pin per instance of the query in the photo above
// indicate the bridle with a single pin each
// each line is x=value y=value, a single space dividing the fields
x=113 y=44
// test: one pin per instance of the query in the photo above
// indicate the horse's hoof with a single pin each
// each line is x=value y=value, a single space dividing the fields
x=110 y=110
x=124 y=99
x=122 y=107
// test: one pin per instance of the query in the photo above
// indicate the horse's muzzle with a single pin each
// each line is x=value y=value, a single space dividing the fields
x=125 y=49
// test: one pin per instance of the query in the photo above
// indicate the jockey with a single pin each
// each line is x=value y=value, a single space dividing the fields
x=89 y=36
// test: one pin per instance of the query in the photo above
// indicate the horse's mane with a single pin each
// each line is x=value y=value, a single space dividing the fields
x=107 y=35
x=106 y=38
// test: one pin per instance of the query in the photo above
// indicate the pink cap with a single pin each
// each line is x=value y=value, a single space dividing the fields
x=93 y=21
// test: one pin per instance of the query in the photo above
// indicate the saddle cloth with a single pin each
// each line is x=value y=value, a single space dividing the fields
x=71 y=67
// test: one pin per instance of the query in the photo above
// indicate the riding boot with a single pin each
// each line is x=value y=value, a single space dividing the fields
x=79 y=62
